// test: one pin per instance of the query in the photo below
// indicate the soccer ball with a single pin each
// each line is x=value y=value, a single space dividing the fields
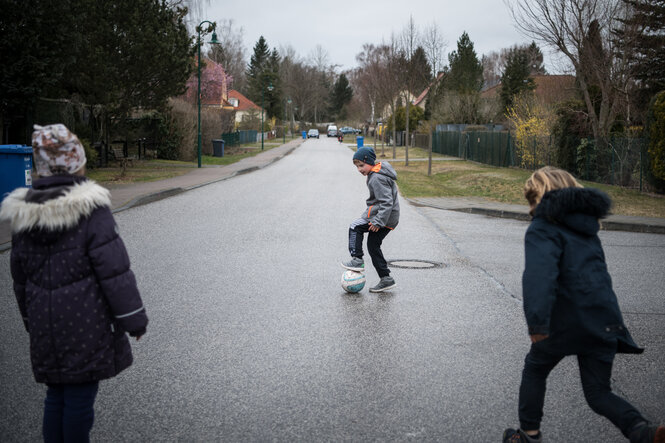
x=353 y=281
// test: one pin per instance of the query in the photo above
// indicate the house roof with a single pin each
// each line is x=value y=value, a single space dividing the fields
x=549 y=88
x=244 y=104
x=423 y=94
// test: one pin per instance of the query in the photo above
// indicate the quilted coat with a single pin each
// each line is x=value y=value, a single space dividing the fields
x=567 y=289
x=72 y=280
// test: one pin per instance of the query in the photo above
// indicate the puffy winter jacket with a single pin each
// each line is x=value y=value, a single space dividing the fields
x=72 y=280
x=383 y=202
x=567 y=289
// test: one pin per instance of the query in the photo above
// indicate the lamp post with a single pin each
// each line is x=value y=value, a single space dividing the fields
x=211 y=28
x=288 y=101
x=270 y=88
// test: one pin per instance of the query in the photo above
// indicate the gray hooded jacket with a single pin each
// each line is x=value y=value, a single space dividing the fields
x=383 y=202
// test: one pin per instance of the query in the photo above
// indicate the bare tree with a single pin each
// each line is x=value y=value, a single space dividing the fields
x=320 y=60
x=231 y=53
x=493 y=65
x=581 y=31
x=195 y=9
x=434 y=45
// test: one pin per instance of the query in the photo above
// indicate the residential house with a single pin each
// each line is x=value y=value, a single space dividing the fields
x=550 y=89
x=387 y=110
x=422 y=98
x=243 y=106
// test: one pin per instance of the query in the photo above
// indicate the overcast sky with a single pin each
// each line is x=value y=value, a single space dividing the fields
x=341 y=27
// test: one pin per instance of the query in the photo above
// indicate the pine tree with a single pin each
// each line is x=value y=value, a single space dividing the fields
x=256 y=70
x=648 y=48
x=515 y=78
x=272 y=78
x=341 y=95
x=535 y=59
x=466 y=71
x=420 y=71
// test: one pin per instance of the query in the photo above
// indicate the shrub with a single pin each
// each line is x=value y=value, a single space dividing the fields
x=531 y=122
x=90 y=154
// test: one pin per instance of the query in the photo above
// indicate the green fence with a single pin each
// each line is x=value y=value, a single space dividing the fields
x=239 y=137
x=492 y=148
x=621 y=161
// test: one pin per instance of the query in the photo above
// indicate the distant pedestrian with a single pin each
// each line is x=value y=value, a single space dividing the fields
x=570 y=306
x=380 y=217
x=73 y=283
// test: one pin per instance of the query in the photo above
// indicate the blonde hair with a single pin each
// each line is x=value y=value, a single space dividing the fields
x=544 y=180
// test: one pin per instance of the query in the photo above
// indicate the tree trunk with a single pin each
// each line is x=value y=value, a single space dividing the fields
x=394 y=133
x=406 y=133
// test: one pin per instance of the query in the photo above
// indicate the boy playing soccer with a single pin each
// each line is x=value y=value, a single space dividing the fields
x=381 y=217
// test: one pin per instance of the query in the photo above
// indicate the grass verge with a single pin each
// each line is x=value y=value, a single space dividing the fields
x=153 y=170
x=467 y=179
x=141 y=171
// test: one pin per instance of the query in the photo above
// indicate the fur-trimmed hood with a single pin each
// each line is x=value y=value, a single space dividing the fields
x=576 y=208
x=54 y=204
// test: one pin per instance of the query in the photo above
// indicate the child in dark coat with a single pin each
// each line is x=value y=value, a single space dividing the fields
x=570 y=306
x=73 y=283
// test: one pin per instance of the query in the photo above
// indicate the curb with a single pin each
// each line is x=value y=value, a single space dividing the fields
x=151 y=198
x=605 y=225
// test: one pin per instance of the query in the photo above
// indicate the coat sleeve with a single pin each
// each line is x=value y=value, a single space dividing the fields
x=20 y=279
x=540 y=279
x=383 y=193
x=110 y=262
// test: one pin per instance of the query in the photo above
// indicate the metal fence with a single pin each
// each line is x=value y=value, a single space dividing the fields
x=240 y=137
x=492 y=148
x=621 y=161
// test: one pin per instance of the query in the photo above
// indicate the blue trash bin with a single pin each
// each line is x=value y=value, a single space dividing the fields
x=304 y=135
x=15 y=168
x=218 y=148
x=359 y=141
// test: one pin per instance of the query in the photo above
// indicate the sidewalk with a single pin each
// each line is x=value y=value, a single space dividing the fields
x=135 y=194
x=131 y=195
x=521 y=212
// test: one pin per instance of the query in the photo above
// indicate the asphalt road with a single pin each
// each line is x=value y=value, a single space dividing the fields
x=252 y=338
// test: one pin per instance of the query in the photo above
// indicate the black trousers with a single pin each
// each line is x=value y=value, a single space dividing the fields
x=595 y=373
x=357 y=230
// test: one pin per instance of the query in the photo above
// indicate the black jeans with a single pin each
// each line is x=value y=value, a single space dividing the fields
x=69 y=412
x=357 y=230
x=595 y=372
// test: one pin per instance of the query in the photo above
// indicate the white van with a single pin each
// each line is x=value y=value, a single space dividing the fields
x=332 y=131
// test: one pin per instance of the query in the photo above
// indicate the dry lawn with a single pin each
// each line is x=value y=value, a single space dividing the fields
x=468 y=179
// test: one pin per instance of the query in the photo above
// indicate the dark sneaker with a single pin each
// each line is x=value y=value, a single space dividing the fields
x=519 y=436
x=646 y=433
x=355 y=264
x=384 y=284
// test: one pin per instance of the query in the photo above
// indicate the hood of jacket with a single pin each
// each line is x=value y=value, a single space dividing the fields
x=576 y=208
x=53 y=204
x=384 y=168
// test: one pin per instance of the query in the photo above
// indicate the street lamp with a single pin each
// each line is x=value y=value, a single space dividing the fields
x=211 y=28
x=286 y=114
x=270 y=88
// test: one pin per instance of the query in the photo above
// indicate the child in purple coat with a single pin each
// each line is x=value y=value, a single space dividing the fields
x=73 y=283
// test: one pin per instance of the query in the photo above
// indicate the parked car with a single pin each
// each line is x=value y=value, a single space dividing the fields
x=313 y=133
x=332 y=131
x=349 y=130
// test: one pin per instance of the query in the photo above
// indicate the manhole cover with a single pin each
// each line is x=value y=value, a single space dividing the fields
x=414 y=264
